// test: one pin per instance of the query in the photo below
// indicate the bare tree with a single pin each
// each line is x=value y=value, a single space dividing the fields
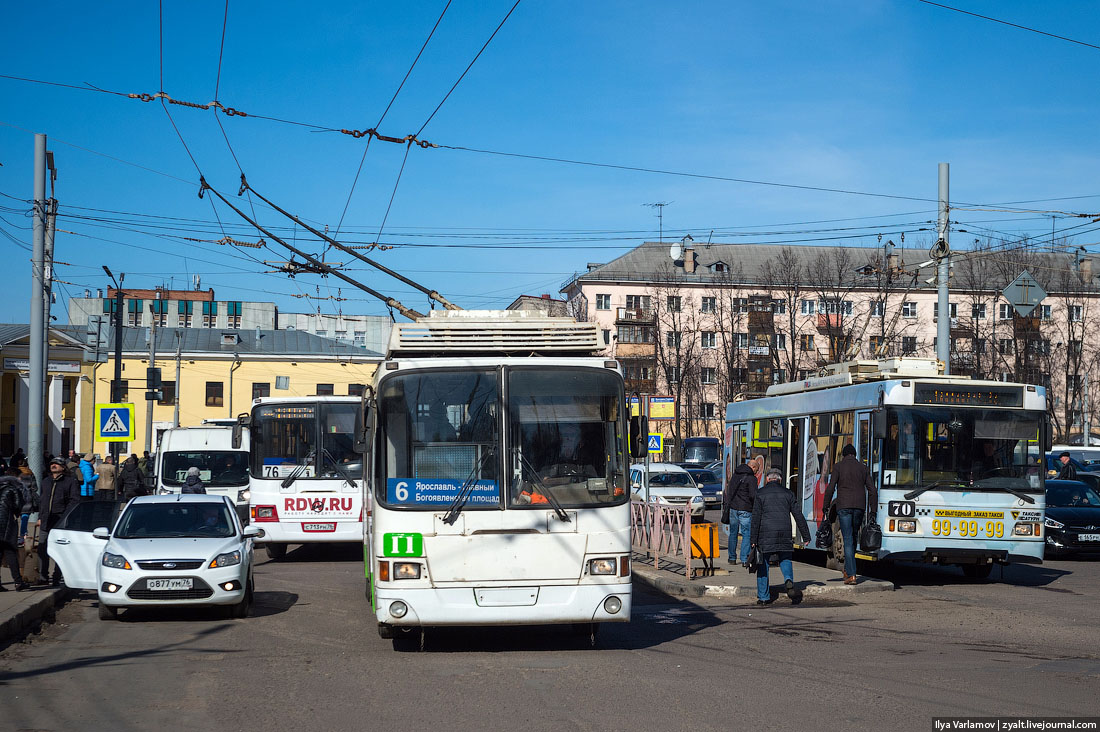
x=678 y=348
x=832 y=277
x=784 y=280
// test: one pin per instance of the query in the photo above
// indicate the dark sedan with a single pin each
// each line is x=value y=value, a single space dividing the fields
x=710 y=485
x=1072 y=518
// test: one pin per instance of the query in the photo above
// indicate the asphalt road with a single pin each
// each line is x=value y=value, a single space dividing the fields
x=310 y=658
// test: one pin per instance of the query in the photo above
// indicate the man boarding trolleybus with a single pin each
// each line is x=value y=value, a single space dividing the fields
x=497 y=461
x=957 y=463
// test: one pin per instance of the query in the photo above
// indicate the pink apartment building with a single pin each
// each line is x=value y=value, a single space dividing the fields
x=714 y=323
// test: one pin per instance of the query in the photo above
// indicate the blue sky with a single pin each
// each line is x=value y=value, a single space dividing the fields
x=866 y=95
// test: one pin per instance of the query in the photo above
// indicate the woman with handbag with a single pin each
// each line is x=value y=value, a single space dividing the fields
x=771 y=536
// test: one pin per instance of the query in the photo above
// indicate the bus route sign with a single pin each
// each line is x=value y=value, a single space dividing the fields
x=403 y=545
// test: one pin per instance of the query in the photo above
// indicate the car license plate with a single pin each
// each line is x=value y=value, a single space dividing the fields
x=181 y=583
x=1088 y=537
x=319 y=527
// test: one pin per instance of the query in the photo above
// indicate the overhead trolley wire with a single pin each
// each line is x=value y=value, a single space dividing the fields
x=1013 y=25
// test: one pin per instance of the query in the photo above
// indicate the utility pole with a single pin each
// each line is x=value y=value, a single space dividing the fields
x=179 y=346
x=941 y=252
x=1085 y=410
x=152 y=383
x=47 y=284
x=35 y=410
x=116 y=383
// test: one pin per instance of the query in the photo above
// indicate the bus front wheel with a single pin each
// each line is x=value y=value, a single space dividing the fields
x=276 y=552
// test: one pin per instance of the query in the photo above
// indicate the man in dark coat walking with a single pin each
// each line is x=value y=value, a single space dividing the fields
x=59 y=491
x=131 y=480
x=771 y=532
x=1067 y=472
x=737 y=502
x=855 y=492
x=11 y=504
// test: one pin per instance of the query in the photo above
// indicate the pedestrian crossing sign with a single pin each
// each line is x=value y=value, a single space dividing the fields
x=114 y=422
x=655 y=442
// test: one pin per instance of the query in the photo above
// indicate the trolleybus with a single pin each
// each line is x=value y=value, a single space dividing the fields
x=498 y=471
x=957 y=463
x=306 y=477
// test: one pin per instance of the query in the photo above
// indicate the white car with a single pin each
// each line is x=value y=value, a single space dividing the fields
x=182 y=549
x=670 y=484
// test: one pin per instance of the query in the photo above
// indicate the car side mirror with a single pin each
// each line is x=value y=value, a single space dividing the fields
x=102 y=533
x=253 y=532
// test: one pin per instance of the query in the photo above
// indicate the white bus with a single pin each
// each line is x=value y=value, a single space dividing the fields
x=499 y=478
x=220 y=454
x=306 y=473
x=957 y=463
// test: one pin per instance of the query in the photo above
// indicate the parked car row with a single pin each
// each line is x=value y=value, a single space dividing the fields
x=1072 y=518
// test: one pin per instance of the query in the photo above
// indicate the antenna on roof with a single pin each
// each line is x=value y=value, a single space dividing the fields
x=660 y=206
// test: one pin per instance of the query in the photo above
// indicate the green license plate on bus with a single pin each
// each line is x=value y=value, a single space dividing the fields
x=402 y=545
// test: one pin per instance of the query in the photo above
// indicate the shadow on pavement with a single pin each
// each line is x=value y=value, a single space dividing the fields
x=337 y=552
x=272 y=603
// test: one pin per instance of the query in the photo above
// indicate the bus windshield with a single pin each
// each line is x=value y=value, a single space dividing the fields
x=307 y=440
x=565 y=430
x=217 y=468
x=703 y=451
x=961 y=449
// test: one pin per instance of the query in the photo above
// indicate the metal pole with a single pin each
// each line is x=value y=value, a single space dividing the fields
x=148 y=387
x=179 y=345
x=1085 y=416
x=36 y=391
x=116 y=384
x=943 y=308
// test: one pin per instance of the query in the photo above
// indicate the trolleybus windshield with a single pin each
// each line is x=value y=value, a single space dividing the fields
x=961 y=449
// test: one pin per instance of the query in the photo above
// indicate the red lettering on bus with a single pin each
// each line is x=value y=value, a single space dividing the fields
x=302 y=504
x=289 y=504
x=333 y=504
x=345 y=504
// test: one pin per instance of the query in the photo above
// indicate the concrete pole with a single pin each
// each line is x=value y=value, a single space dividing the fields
x=943 y=308
x=148 y=387
x=36 y=387
x=47 y=285
x=116 y=383
x=1085 y=421
x=179 y=345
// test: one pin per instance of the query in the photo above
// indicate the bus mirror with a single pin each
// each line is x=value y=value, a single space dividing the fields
x=1048 y=434
x=878 y=423
x=639 y=436
x=362 y=440
x=243 y=421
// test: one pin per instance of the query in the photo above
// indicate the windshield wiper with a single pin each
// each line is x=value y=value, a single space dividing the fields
x=937 y=484
x=550 y=497
x=339 y=468
x=1019 y=494
x=464 y=492
x=289 y=480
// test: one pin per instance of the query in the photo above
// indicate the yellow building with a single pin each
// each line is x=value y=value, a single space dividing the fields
x=215 y=374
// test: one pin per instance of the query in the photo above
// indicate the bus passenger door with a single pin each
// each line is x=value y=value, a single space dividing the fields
x=866 y=447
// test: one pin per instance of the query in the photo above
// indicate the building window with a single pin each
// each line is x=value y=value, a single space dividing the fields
x=1004 y=311
x=673 y=374
x=356 y=389
x=1004 y=346
x=977 y=345
x=708 y=375
x=603 y=301
x=606 y=336
x=740 y=340
x=636 y=372
x=878 y=308
x=779 y=376
x=261 y=389
x=634 y=334
x=1076 y=313
x=908 y=345
x=209 y=314
x=167 y=393
x=214 y=394
x=1006 y=376
x=803 y=374
x=807 y=307
x=673 y=303
x=123 y=390
x=952 y=311
x=908 y=309
x=325 y=390
x=834 y=307
x=806 y=341
x=708 y=304
x=110 y=306
x=709 y=339
x=672 y=339
x=779 y=341
x=1076 y=348
x=708 y=410
x=874 y=343
x=359 y=337
x=977 y=311
x=719 y=267
x=233 y=313
x=779 y=307
x=133 y=313
x=637 y=302
x=1044 y=312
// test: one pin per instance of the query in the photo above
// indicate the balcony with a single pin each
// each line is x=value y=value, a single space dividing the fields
x=830 y=322
x=634 y=315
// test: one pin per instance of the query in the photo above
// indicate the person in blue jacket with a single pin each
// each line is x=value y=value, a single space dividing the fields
x=88 y=475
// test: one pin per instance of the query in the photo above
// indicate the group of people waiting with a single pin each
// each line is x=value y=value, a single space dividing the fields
x=758 y=508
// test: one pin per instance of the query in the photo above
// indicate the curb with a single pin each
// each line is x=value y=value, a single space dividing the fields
x=676 y=588
x=698 y=588
x=30 y=613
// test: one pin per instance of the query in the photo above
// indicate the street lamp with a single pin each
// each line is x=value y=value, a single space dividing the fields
x=116 y=383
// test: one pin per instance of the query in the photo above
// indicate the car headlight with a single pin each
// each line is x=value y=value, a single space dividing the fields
x=406 y=570
x=115 y=561
x=243 y=495
x=226 y=560
x=1052 y=524
x=602 y=566
x=696 y=499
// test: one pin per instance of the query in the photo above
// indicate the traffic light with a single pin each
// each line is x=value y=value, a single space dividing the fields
x=152 y=378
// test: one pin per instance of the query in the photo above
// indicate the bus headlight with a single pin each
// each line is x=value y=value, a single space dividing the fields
x=602 y=566
x=1028 y=529
x=1052 y=524
x=612 y=605
x=398 y=609
x=243 y=495
x=406 y=570
x=909 y=527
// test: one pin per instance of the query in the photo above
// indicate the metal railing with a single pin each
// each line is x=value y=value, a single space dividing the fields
x=663 y=531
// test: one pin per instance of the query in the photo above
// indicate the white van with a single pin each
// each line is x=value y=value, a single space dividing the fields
x=223 y=468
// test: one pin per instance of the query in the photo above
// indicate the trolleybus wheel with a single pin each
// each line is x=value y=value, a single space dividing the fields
x=276 y=552
x=408 y=640
x=834 y=560
x=977 y=571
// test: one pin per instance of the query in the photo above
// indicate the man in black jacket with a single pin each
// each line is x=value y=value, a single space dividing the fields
x=738 y=498
x=855 y=492
x=771 y=531
x=59 y=491
x=1068 y=472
